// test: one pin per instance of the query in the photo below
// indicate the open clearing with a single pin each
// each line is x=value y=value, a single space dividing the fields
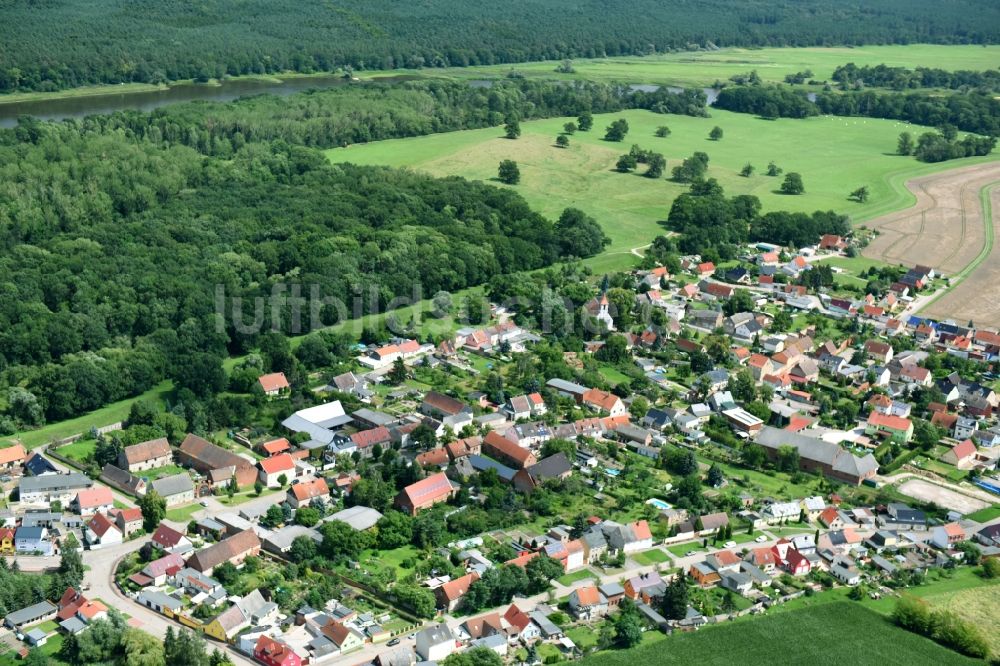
x=834 y=155
x=929 y=492
x=832 y=634
x=703 y=68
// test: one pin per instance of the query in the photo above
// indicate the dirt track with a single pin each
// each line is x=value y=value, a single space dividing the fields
x=945 y=230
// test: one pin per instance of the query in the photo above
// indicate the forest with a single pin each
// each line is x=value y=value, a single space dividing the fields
x=112 y=247
x=372 y=112
x=58 y=44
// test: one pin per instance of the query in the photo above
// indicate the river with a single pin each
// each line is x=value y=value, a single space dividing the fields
x=224 y=91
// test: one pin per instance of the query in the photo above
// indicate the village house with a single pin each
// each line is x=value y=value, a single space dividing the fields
x=234 y=549
x=425 y=493
x=92 y=500
x=175 y=489
x=304 y=492
x=215 y=462
x=271 y=470
x=101 y=531
x=146 y=455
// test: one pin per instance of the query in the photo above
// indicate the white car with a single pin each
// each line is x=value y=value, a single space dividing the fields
x=761 y=539
x=730 y=544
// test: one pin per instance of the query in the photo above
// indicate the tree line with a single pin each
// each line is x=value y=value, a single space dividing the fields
x=51 y=46
x=903 y=78
x=970 y=112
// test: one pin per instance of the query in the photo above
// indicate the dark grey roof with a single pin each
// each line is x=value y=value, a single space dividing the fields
x=33 y=612
x=54 y=482
x=173 y=485
x=551 y=467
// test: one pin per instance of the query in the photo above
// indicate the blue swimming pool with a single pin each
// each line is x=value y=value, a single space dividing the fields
x=658 y=503
x=611 y=471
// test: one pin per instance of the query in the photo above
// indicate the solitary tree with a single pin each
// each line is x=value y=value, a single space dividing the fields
x=715 y=134
x=509 y=173
x=905 y=144
x=792 y=184
x=562 y=141
x=747 y=170
x=585 y=122
x=154 y=509
x=569 y=127
x=512 y=129
x=398 y=373
x=773 y=169
x=860 y=195
x=662 y=131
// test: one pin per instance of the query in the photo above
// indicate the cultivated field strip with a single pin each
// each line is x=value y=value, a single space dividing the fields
x=944 y=229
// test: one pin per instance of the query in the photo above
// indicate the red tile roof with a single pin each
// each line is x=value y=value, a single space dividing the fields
x=94 y=497
x=276 y=446
x=166 y=536
x=964 y=449
x=438 y=457
x=307 y=490
x=371 y=437
x=889 y=421
x=456 y=589
x=277 y=464
x=275 y=381
x=431 y=489
x=12 y=454
x=100 y=524
x=588 y=595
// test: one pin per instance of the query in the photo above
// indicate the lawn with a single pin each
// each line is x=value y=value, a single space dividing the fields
x=79 y=450
x=576 y=577
x=182 y=514
x=703 y=68
x=682 y=549
x=833 y=634
x=246 y=496
x=166 y=470
x=107 y=415
x=650 y=557
x=834 y=155
x=985 y=515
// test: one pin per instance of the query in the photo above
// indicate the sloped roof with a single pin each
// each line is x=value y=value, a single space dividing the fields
x=273 y=382
x=224 y=550
x=277 y=464
x=96 y=496
x=150 y=450
x=430 y=489
x=307 y=490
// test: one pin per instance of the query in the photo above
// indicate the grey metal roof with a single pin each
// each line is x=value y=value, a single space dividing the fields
x=358 y=517
x=53 y=482
x=33 y=612
x=173 y=485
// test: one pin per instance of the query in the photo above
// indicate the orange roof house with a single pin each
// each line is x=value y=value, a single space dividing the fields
x=12 y=456
x=306 y=491
x=276 y=446
x=506 y=451
x=450 y=594
x=274 y=383
x=425 y=493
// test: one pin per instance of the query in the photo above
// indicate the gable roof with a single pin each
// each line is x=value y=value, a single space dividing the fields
x=430 y=489
x=166 y=536
x=275 y=381
x=101 y=524
x=223 y=551
x=365 y=438
x=12 y=454
x=144 y=451
x=508 y=448
x=93 y=497
x=210 y=456
x=276 y=446
x=277 y=464
x=307 y=490
x=456 y=589
x=964 y=449
x=444 y=403
x=588 y=595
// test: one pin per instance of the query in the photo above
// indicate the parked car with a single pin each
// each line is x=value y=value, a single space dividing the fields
x=761 y=539
x=393 y=642
x=730 y=544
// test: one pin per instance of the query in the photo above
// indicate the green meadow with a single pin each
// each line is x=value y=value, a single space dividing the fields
x=834 y=634
x=835 y=155
x=703 y=68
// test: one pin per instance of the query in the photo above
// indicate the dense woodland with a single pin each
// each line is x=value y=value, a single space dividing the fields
x=111 y=248
x=372 y=112
x=54 y=44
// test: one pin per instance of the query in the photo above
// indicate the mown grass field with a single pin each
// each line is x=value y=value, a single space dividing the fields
x=112 y=413
x=834 y=634
x=834 y=155
x=703 y=68
x=985 y=515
